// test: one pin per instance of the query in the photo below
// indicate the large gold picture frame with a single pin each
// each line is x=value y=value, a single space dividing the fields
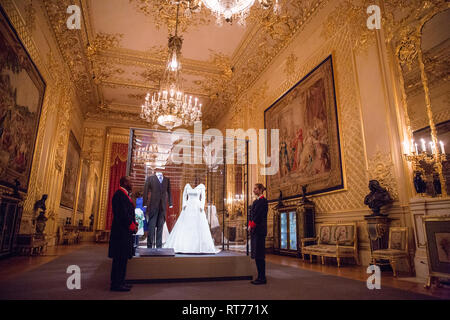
x=437 y=234
x=72 y=167
x=309 y=152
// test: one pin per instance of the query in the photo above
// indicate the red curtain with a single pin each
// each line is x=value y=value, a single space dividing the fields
x=119 y=155
x=172 y=214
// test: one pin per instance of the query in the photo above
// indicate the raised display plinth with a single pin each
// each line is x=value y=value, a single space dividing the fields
x=226 y=265
x=155 y=252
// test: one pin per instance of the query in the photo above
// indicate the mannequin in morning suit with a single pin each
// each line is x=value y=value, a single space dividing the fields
x=156 y=195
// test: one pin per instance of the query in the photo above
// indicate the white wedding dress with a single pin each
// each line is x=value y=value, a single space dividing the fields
x=191 y=232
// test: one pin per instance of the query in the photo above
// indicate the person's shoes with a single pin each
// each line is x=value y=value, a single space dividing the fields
x=120 y=288
x=258 y=281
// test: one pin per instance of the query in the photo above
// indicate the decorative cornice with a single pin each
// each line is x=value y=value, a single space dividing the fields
x=72 y=44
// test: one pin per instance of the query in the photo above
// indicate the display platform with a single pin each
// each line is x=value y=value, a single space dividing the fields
x=154 y=252
x=226 y=265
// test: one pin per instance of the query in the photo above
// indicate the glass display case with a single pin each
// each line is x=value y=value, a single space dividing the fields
x=291 y=224
x=185 y=158
x=288 y=231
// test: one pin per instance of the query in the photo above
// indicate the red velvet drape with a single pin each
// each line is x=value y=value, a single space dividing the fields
x=119 y=154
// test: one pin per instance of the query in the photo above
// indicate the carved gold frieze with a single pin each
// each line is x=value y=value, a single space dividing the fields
x=152 y=75
x=290 y=66
x=73 y=48
x=30 y=16
x=104 y=41
x=407 y=50
x=103 y=69
x=352 y=15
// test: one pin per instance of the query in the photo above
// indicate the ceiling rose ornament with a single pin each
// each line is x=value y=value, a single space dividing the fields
x=229 y=10
x=171 y=107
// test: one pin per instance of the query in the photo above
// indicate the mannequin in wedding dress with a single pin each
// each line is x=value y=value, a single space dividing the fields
x=165 y=234
x=191 y=233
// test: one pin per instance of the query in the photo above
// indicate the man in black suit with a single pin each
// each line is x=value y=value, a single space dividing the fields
x=258 y=230
x=159 y=188
x=121 y=239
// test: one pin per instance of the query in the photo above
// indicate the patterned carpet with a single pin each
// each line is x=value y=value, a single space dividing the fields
x=284 y=283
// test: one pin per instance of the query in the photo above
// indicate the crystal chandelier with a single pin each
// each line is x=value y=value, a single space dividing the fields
x=155 y=152
x=230 y=10
x=171 y=107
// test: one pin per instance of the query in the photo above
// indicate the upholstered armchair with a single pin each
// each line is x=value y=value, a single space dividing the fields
x=397 y=249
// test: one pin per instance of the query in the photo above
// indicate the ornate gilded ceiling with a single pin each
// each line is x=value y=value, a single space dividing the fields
x=120 y=52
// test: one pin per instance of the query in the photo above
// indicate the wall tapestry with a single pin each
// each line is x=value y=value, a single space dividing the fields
x=21 y=94
x=309 y=150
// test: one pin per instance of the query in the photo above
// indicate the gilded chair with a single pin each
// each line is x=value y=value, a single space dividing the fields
x=397 y=249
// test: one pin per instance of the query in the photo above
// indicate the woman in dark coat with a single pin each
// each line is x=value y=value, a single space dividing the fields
x=121 y=239
x=258 y=231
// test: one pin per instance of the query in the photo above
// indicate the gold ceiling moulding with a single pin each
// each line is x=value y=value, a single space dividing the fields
x=162 y=13
x=149 y=58
x=122 y=83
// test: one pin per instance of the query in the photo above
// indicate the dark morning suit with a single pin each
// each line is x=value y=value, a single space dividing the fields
x=121 y=239
x=156 y=207
x=258 y=214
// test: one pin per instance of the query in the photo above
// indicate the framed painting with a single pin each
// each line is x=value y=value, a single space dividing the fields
x=22 y=91
x=71 y=173
x=95 y=198
x=309 y=150
x=437 y=234
x=83 y=186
